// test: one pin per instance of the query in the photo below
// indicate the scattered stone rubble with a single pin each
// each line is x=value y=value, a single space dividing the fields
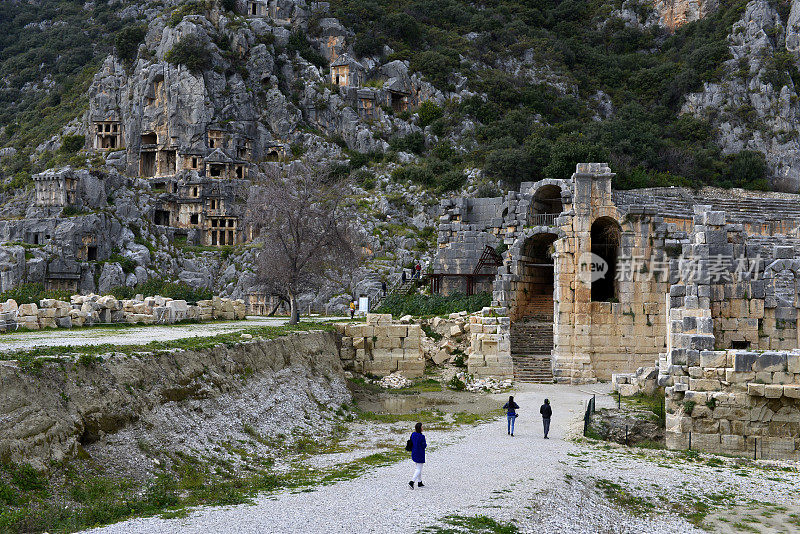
x=644 y=381
x=395 y=381
x=490 y=384
x=88 y=310
x=454 y=339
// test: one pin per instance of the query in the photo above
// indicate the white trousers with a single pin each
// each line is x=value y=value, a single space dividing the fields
x=417 y=473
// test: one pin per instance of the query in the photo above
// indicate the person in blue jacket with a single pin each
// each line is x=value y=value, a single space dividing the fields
x=511 y=411
x=418 y=445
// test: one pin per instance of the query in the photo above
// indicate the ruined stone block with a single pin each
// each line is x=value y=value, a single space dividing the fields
x=770 y=362
x=793 y=363
x=28 y=309
x=702 y=384
x=792 y=391
x=397 y=331
x=383 y=319
x=743 y=361
x=715 y=358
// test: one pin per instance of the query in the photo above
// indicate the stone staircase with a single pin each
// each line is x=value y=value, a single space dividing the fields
x=531 y=345
x=534 y=368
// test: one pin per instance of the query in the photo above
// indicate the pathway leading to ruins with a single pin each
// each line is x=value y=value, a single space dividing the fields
x=134 y=335
x=546 y=486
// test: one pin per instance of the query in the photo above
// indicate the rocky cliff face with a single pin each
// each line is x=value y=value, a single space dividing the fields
x=214 y=96
x=676 y=13
x=164 y=129
x=755 y=105
x=173 y=401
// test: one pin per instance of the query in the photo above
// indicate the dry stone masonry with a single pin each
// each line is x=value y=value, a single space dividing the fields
x=87 y=310
x=380 y=347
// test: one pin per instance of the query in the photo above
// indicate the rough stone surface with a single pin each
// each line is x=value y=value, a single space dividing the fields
x=200 y=395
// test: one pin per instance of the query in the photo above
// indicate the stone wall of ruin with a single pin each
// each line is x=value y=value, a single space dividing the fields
x=722 y=399
x=380 y=347
x=490 y=344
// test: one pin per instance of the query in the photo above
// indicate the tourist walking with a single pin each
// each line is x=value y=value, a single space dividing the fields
x=352 y=309
x=404 y=278
x=546 y=412
x=511 y=412
x=383 y=287
x=418 y=271
x=417 y=442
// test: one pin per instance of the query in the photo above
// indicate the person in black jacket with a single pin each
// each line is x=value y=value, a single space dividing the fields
x=511 y=411
x=546 y=412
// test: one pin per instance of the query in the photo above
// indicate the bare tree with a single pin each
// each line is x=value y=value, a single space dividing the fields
x=302 y=229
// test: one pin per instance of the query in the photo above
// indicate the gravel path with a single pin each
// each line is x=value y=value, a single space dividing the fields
x=541 y=485
x=133 y=335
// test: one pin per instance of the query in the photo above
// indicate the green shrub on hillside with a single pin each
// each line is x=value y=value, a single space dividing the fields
x=197 y=7
x=428 y=112
x=128 y=265
x=298 y=42
x=71 y=144
x=413 y=143
x=28 y=293
x=127 y=41
x=399 y=305
x=190 y=52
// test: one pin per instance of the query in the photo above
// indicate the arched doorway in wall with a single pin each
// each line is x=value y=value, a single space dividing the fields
x=546 y=205
x=780 y=327
x=532 y=312
x=606 y=234
x=536 y=278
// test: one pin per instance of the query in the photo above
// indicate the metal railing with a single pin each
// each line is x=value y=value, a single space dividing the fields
x=544 y=219
x=587 y=415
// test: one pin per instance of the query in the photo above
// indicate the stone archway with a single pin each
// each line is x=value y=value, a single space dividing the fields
x=536 y=275
x=605 y=235
x=532 y=308
x=546 y=205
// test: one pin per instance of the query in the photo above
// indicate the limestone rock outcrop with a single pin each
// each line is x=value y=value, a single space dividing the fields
x=676 y=13
x=754 y=105
x=174 y=400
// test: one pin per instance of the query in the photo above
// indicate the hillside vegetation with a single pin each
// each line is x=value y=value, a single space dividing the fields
x=538 y=124
x=547 y=83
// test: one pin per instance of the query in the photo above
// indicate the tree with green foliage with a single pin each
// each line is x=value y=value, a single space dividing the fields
x=71 y=144
x=298 y=42
x=190 y=52
x=428 y=112
x=127 y=41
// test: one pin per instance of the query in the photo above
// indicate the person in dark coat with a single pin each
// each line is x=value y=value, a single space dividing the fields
x=546 y=412
x=418 y=445
x=383 y=287
x=511 y=412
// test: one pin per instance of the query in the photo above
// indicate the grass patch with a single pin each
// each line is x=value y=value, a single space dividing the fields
x=477 y=524
x=33 y=293
x=426 y=417
x=28 y=356
x=421 y=386
x=623 y=499
x=651 y=403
